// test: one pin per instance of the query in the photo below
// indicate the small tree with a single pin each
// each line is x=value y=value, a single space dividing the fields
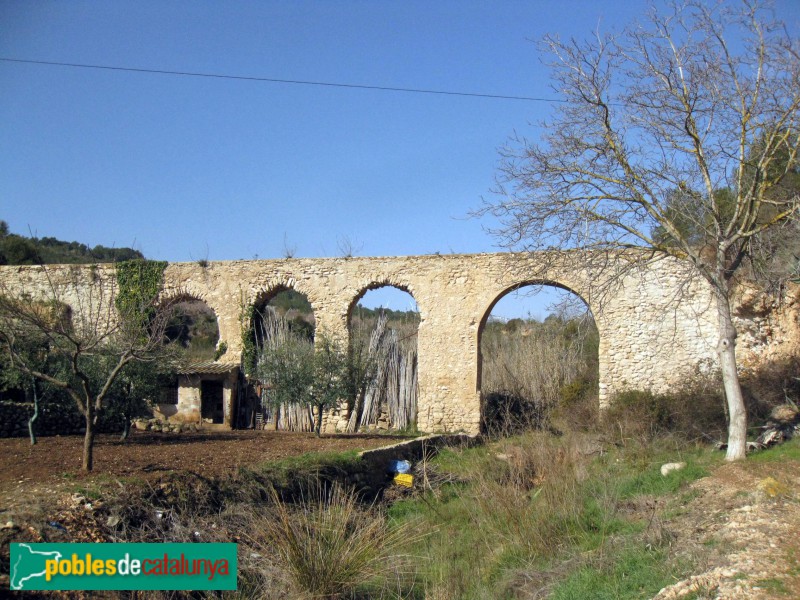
x=35 y=353
x=111 y=321
x=677 y=136
x=136 y=387
x=331 y=368
x=297 y=370
x=298 y=373
x=284 y=363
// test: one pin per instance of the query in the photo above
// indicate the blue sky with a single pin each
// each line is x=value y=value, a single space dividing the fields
x=187 y=168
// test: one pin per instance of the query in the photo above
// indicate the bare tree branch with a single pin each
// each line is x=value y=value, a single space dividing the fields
x=679 y=135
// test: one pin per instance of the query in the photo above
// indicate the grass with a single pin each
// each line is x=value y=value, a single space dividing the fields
x=627 y=573
x=531 y=516
x=532 y=511
x=781 y=453
x=305 y=467
x=643 y=476
x=94 y=489
x=409 y=431
x=329 y=546
x=314 y=460
x=774 y=586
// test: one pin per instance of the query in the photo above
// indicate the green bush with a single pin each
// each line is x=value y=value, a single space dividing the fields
x=696 y=411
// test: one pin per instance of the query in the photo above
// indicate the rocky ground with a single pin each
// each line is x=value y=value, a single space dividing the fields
x=742 y=525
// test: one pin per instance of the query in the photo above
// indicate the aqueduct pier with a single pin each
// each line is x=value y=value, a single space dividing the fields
x=654 y=327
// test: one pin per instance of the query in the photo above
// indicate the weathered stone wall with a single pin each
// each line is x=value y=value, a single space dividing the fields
x=654 y=326
x=768 y=327
x=53 y=419
x=190 y=399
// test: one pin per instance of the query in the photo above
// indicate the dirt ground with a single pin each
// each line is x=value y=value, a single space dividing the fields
x=743 y=521
x=739 y=529
x=53 y=464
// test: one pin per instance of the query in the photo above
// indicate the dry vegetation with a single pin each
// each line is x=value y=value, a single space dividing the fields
x=531 y=367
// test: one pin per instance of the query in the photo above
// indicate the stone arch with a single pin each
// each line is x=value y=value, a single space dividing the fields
x=266 y=294
x=376 y=284
x=178 y=297
x=390 y=400
x=262 y=296
x=516 y=286
x=288 y=416
x=185 y=290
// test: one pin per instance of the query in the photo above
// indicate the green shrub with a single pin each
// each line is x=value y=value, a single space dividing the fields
x=696 y=411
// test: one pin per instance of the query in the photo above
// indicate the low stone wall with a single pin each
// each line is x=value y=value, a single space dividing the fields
x=165 y=426
x=368 y=474
x=373 y=474
x=52 y=420
x=55 y=418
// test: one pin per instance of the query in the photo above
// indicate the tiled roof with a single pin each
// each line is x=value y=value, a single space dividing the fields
x=208 y=367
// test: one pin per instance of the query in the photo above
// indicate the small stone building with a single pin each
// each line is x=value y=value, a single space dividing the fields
x=204 y=392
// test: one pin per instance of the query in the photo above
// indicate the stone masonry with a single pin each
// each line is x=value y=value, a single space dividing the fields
x=655 y=326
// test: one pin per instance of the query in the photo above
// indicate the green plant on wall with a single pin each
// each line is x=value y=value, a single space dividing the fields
x=139 y=283
x=249 y=354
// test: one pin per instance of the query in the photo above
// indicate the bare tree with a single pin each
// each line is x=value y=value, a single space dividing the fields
x=675 y=135
x=289 y=250
x=348 y=247
x=90 y=338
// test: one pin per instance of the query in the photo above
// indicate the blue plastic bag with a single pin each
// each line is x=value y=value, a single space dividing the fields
x=399 y=466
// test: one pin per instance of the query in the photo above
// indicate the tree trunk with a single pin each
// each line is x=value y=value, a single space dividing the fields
x=88 y=441
x=127 y=414
x=35 y=415
x=318 y=428
x=726 y=348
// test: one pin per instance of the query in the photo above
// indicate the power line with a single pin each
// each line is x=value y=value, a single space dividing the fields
x=274 y=80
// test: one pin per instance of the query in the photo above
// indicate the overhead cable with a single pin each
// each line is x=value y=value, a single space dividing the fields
x=379 y=88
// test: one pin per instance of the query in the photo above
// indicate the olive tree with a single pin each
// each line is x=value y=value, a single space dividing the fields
x=93 y=329
x=298 y=371
x=35 y=354
x=675 y=135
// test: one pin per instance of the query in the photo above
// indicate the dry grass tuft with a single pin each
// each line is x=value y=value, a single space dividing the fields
x=328 y=545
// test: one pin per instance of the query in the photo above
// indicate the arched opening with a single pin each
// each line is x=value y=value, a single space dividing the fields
x=383 y=323
x=193 y=328
x=282 y=339
x=538 y=359
x=198 y=390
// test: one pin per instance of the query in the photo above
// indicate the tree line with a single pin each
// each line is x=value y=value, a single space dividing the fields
x=17 y=249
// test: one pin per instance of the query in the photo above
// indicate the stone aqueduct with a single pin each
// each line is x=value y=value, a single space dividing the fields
x=647 y=338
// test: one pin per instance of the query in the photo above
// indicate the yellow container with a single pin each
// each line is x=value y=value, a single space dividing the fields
x=404 y=479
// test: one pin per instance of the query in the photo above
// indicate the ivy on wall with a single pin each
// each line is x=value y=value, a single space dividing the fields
x=139 y=283
x=246 y=317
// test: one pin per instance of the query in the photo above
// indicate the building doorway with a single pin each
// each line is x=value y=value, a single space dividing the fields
x=211 y=402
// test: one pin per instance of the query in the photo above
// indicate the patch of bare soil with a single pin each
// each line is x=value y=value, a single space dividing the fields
x=30 y=476
x=742 y=523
